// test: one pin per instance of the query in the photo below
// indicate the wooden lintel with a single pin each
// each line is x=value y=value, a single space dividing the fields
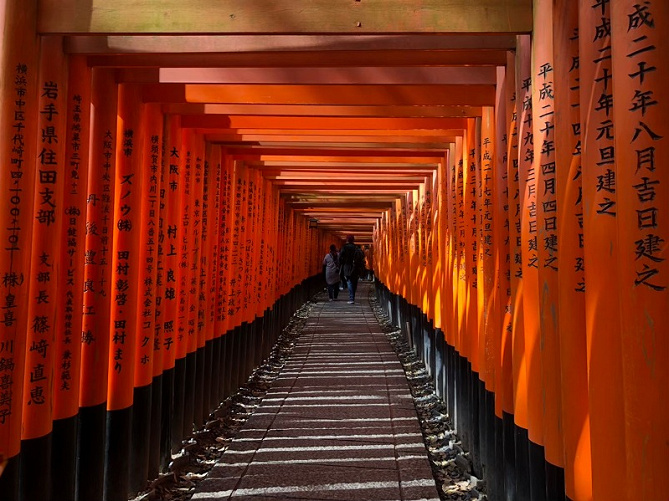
x=332 y=59
x=298 y=110
x=380 y=75
x=434 y=142
x=320 y=123
x=351 y=147
x=330 y=164
x=474 y=95
x=328 y=152
x=161 y=44
x=283 y=16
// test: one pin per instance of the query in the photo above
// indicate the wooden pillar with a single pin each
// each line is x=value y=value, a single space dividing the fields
x=19 y=49
x=67 y=378
x=600 y=253
x=530 y=265
x=126 y=263
x=174 y=381
x=571 y=278
x=547 y=225
x=97 y=287
x=146 y=413
x=43 y=297
x=639 y=51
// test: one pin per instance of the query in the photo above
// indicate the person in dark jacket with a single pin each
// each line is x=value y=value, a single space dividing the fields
x=352 y=265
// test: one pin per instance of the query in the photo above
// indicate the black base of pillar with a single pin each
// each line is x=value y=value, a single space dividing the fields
x=178 y=404
x=141 y=439
x=189 y=395
x=64 y=458
x=166 y=418
x=117 y=452
x=537 y=472
x=35 y=470
x=155 y=426
x=91 y=452
x=9 y=480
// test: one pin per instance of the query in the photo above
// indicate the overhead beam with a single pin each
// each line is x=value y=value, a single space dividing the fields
x=474 y=95
x=283 y=16
x=401 y=111
x=160 y=44
x=250 y=152
x=333 y=59
x=321 y=123
x=380 y=75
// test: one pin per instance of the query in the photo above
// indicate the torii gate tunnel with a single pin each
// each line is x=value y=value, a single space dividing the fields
x=172 y=173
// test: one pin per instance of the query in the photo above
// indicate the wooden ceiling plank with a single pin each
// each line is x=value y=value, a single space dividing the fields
x=333 y=59
x=476 y=95
x=283 y=16
x=321 y=123
x=160 y=44
x=298 y=110
x=378 y=75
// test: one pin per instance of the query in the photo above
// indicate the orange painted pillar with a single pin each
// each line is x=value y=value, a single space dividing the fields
x=19 y=49
x=639 y=51
x=470 y=184
x=147 y=393
x=70 y=276
x=504 y=454
x=451 y=273
x=209 y=274
x=196 y=334
x=97 y=286
x=460 y=264
x=173 y=372
x=125 y=261
x=487 y=282
x=571 y=277
x=43 y=297
x=186 y=340
x=600 y=254
x=519 y=485
x=547 y=223
x=530 y=265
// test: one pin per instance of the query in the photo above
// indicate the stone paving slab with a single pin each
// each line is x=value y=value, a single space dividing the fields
x=337 y=424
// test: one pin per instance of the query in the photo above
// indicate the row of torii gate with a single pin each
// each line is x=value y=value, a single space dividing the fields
x=172 y=173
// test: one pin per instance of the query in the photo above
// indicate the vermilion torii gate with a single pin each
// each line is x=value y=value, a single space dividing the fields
x=160 y=163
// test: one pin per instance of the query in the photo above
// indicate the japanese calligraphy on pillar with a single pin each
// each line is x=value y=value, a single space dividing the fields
x=126 y=216
x=97 y=262
x=71 y=272
x=185 y=216
x=642 y=103
x=38 y=395
x=148 y=336
x=545 y=147
x=14 y=279
x=74 y=237
x=171 y=231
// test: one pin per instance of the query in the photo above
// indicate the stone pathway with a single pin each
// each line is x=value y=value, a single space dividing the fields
x=338 y=423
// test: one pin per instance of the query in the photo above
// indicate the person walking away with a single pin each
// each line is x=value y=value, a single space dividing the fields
x=352 y=262
x=331 y=266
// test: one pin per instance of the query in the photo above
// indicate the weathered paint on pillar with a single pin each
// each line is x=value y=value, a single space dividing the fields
x=571 y=278
x=547 y=226
x=639 y=51
x=600 y=252
x=98 y=254
x=71 y=273
x=44 y=298
x=18 y=106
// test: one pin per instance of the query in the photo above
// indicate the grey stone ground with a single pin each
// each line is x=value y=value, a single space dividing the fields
x=342 y=409
x=337 y=423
